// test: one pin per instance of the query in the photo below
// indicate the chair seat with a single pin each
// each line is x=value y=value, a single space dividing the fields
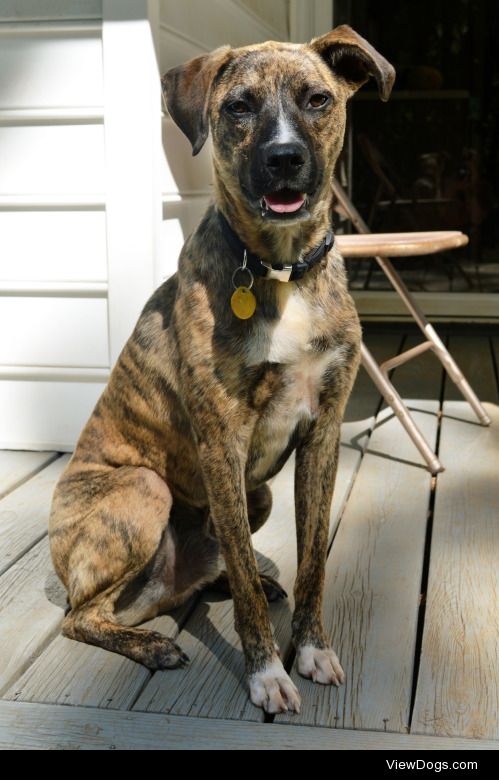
x=400 y=244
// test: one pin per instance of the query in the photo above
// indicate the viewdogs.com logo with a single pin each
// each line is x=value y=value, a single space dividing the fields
x=436 y=766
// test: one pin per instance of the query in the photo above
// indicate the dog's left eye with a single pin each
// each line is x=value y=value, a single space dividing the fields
x=317 y=101
x=239 y=107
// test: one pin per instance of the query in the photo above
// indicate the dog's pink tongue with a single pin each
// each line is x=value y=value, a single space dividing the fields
x=284 y=202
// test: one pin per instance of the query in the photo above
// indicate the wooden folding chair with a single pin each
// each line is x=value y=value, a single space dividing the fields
x=381 y=246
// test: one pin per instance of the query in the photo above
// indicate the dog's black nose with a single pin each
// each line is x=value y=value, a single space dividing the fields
x=284 y=160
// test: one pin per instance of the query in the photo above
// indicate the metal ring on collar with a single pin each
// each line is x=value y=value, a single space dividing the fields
x=244 y=267
x=247 y=270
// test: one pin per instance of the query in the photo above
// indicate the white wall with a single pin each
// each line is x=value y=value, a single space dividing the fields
x=53 y=268
x=94 y=209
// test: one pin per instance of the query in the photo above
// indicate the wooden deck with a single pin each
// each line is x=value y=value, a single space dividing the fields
x=412 y=590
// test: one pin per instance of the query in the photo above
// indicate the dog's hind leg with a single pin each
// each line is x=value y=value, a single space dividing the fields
x=96 y=623
x=106 y=530
x=187 y=558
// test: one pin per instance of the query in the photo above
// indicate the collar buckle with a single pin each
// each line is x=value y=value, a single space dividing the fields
x=281 y=274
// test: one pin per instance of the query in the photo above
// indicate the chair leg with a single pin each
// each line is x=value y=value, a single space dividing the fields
x=429 y=331
x=439 y=347
x=392 y=398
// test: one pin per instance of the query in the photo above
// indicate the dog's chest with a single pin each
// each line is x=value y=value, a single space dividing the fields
x=291 y=345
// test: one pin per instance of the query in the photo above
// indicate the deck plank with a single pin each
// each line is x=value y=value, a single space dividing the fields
x=473 y=355
x=214 y=684
x=24 y=513
x=458 y=685
x=46 y=727
x=374 y=570
x=31 y=608
x=17 y=467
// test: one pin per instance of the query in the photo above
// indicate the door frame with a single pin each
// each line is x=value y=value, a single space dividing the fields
x=132 y=126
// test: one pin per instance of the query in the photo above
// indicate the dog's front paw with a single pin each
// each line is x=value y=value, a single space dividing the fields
x=273 y=690
x=321 y=666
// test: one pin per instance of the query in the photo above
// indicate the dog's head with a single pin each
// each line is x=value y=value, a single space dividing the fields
x=277 y=115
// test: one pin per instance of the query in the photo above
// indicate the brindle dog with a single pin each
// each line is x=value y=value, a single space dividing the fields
x=170 y=474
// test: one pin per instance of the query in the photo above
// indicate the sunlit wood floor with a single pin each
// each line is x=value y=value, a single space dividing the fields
x=412 y=590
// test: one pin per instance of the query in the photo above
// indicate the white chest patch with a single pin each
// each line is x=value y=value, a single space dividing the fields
x=285 y=341
x=288 y=342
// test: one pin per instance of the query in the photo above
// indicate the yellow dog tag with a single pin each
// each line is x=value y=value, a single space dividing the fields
x=243 y=303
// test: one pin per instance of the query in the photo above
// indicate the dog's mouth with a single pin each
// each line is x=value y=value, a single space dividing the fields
x=284 y=201
x=284 y=204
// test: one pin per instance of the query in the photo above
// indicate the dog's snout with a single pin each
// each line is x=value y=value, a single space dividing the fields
x=285 y=160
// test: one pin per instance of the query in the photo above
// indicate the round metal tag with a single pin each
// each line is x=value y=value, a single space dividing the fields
x=243 y=303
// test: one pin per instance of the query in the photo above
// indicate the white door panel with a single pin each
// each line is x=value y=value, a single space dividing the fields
x=53 y=331
x=46 y=70
x=45 y=415
x=52 y=159
x=52 y=246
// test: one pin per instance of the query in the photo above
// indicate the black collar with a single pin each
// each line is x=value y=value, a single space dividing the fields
x=279 y=271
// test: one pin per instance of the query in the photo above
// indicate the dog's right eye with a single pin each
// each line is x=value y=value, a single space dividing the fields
x=239 y=107
x=317 y=100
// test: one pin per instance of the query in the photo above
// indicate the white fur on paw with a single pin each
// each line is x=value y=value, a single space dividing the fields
x=322 y=666
x=273 y=690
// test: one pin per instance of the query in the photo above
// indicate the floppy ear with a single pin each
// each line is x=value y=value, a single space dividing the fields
x=354 y=59
x=187 y=90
